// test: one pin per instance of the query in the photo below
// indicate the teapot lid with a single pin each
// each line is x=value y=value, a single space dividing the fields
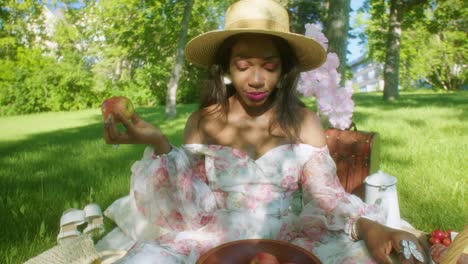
x=380 y=179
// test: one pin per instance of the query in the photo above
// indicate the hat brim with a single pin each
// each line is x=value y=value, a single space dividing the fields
x=202 y=49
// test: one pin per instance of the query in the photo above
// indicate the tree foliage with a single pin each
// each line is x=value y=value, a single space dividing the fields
x=439 y=55
x=336 y=30
x=173 y=84
x=433 y=42
x=64 y=55
x=36 y=75
x=84 y=53
x=302 y=12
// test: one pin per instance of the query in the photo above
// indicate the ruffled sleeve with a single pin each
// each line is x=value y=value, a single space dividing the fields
x=326 y=205
x=170 y=189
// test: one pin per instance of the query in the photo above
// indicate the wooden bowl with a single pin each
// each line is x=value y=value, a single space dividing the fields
x=242 y=251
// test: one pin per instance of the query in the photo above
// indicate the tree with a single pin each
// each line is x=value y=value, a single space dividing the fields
x=334 y=14
x=385 y=34
x=392 y=58
x=95 y=49
x=16 y=21
x=176 y=71
x=302 y=12
x=138 y=43
x=439 y=57
x=42 y=67
x=336 y=29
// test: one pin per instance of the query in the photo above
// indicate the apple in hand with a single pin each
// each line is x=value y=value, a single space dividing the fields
x=264 y=258
x=117 y=104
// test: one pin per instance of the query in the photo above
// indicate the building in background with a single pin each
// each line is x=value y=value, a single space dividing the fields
x=367 y=75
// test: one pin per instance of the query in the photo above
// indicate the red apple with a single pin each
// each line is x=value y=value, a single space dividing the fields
x=117 y=104
x=264 y=258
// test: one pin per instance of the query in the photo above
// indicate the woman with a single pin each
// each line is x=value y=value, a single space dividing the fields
x=248 y=149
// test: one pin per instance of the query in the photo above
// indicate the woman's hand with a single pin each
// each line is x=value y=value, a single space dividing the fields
x=137 y=132
x=381 y=240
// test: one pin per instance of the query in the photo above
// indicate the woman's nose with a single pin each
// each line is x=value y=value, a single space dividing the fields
x=257 y=80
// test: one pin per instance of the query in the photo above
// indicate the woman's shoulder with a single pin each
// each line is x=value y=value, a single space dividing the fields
x=312 y=132
x=200 y=123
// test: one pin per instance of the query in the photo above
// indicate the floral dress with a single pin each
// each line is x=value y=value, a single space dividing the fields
x=199 y=196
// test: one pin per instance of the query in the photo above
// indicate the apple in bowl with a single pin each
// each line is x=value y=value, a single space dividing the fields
x=264 y=258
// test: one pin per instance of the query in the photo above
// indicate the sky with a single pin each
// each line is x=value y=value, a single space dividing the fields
x=354 y=48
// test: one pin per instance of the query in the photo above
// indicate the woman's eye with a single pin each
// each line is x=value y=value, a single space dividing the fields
x=271 y=66
x=242 y=65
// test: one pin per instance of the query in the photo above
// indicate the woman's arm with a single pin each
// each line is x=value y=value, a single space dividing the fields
x=323 y=190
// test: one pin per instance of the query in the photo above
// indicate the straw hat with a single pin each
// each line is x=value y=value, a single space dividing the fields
x=256 y=16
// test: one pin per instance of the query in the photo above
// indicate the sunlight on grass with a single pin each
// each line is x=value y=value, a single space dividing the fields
x=54 y=161
x=19 y=127
x=423 y=145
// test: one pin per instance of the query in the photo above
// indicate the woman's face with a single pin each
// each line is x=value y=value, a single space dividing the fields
x=255 y=69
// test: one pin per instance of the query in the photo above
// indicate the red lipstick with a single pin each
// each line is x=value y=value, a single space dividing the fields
x=256 y=96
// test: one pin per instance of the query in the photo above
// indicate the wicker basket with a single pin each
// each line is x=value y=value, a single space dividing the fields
x=457 y=252
x=78 y=251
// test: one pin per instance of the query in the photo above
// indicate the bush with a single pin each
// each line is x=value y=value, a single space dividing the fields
x=36 y=83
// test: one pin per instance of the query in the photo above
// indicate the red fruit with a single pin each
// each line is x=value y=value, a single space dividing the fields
x=446 y=241
x=439 y=234
x=117 y=104
x=434 y=241
x=264 y=258
x=447 y=234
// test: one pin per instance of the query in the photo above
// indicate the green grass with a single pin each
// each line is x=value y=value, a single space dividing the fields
x=53 y=161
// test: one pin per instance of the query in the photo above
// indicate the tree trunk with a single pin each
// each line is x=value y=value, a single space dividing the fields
x=336 y=30
x=392 y=58
x=179 y=62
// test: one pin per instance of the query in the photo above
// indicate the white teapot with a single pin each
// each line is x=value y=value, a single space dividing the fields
x=381 y=190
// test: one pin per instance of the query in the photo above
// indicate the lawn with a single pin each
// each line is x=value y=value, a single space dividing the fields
x=53 y=161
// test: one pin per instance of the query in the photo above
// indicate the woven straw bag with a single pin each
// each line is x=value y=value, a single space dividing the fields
x=80 y=250
x=457 y=252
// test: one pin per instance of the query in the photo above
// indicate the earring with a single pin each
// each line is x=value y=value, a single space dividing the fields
x=227 y=79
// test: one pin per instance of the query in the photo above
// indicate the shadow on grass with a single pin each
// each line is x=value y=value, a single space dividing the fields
x=47 y=173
